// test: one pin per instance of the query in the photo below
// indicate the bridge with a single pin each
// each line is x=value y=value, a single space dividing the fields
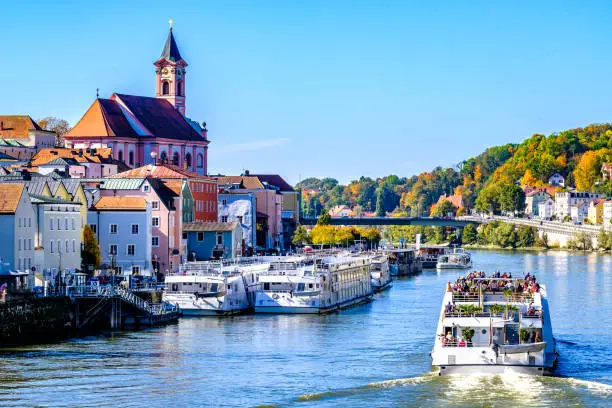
x=426 y=221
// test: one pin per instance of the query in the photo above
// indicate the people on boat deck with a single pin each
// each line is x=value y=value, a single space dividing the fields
x=538 y=339
x=461 y=342
x=497 y=282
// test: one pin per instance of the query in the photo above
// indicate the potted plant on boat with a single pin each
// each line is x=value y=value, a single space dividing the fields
x=507 y=294
x=467 y=334
x=496 y=309
x=524 y=335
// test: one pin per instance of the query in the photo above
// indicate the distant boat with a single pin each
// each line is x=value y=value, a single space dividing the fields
x=380 y=274
x=403 y=261
x=458 y=259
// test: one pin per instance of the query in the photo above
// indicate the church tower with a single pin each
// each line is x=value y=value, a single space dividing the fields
x=170 y=74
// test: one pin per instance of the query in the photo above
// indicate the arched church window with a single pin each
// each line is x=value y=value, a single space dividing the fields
x=120 y=155
x=131 y=158
x=165 y=88
x=175 y=158
x=187 y=161
x=179 y=88
x=200 y=161
x=163 y=157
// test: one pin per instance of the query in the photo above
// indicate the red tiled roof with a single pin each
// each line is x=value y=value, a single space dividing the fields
x=209 y=226
x=46 y=155
x=109 y=117
x=10 y=194
x=246 y=182
x=162 y=171
x=16 y=126
x=118 y=203
x=275 y=180
x=455 y=200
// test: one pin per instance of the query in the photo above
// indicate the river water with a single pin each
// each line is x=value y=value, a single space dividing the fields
x=372 y=355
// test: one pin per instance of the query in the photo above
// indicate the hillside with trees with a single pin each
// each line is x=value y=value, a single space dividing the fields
x=490 y=181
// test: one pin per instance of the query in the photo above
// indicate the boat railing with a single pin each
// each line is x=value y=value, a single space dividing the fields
x=470 y=344
x=465 y=297
x=502 y=315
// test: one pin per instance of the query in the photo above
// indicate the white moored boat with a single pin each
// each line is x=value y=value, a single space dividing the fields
x=212 y=288
x=458 y=259
x=313 y=285
x=380 y=275
x=492 y=325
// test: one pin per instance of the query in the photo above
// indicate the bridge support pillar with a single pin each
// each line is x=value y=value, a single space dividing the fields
x=459 y=233
x=115 y=315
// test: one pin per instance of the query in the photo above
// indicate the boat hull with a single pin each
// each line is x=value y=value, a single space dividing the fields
x=494 y=369
x=311 y=310
x=448 y=266
x=212 y=312
x=379 y=288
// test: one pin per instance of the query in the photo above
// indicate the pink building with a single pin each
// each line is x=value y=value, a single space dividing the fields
x=144 y=130
x=170 y=203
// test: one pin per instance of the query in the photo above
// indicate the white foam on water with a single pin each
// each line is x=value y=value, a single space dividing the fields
x=402 y=381
x=517 y=387
x=602 y=388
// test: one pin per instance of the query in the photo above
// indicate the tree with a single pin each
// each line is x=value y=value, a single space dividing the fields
x=324 y=219
x=604 y=240
x=372 y=235
x=442 y=209
x=487 y=200
x=357 y=211
x=526 y=236
x=380 y=203
x=300 y=236
x=90 y=256
x=470 y=235
x=323 y=234
x=511 y=198
x=53 y=124
x=528 y=179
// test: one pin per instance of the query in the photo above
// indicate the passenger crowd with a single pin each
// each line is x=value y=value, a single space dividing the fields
x=497 y=282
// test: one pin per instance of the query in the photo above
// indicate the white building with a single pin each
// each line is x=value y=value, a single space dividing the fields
x=564 y=200
x=241 y=208
x=546 y=209
x=607 y=214
x=579 y=211
x=556 y=180
x=58 y=238
x=533 y=199
x=18 y=227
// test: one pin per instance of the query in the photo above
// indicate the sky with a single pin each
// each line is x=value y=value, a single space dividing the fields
x=312 y=88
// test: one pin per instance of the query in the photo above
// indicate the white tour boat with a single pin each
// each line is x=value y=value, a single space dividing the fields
x=313 y=285
x=458 y=259
x=380 y=275
x=494 y=325
x=213 y=288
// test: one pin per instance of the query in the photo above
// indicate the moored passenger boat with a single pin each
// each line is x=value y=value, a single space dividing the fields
x=380 y=275
x=212 y=288
x=429 y=254
x=458 y=259
x=319 y=285
x=403 y=261
x=492 y=325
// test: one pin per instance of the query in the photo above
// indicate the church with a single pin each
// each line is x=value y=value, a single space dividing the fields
x=144 y=130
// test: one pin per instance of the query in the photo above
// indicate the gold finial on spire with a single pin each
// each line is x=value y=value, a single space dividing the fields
x=170 y=22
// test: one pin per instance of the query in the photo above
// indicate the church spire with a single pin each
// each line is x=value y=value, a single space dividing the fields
x=171 y=51
x=170 y=74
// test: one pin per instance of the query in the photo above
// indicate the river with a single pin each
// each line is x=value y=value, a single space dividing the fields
x=372 y=355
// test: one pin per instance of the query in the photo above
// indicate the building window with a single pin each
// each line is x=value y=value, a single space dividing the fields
x=175 y=158
x=59 y=246
x=113 y=229
x=19 y=241
x=165 y=88
x=66 y=223
x=184 y=235
x=112 y=249
x=224 y=218
x=51 y=247
x=29 y=243
x=163 y=157
x=131 y=249
x=188 y=161
x=19 y=222
x=155 y=205
x=135 y=270
x=67 y=246
x=73 y=245
x=73 y=224
x=94 y=228
x=59 y=224
x=120 y=155
x=155 y=221
x=51 y=224
x=179 y=88
x=131 y=158
x=135 y=229
x=145 y=188
x=155 y=241
x=219 y=238
x=200 y=236
x=200 y=161
x=224 y=202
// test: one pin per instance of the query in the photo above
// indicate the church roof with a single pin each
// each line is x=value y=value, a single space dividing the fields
x=162 y=171
x=133 y=116
x=171 y=51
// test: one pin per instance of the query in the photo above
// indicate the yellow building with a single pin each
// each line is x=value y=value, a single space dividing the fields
x=596 y=209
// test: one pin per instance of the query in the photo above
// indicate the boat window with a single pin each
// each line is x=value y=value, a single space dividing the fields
x=213 y=287
x=266 y=286
x=310 y=285
x=175 y=287
x=236 y=287
x=300 y=287
x=229 y=287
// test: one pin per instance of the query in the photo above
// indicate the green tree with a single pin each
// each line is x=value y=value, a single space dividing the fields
x=604 y=240
x=90 y=256
x=443 y=208
x=324 y=219
x=300 y=236
x=380 y=203
x=470 y=235
x=526 y=236
x=511 y=198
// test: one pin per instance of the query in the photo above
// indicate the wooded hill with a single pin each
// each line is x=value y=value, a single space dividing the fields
x=489 y=181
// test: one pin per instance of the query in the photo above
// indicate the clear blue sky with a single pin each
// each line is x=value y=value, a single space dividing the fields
x=325 y=88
